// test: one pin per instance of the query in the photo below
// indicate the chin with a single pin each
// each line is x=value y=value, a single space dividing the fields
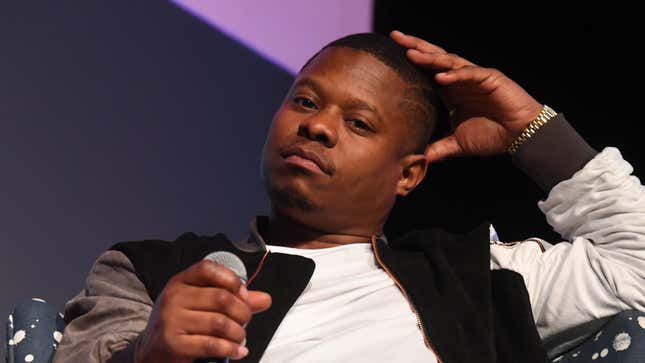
x=290 y=187
x=291 y=199
x=289 y=193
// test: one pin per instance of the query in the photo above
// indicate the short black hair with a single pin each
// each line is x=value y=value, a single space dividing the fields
x=428 y=115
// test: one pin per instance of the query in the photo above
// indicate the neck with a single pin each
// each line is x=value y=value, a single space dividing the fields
x=285 y=231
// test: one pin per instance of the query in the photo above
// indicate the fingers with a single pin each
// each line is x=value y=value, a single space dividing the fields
x=214 y=324
x=208 y=346
x=209 y=273
x=413 y=42
x=438 y=62
x=429 y=55
x=442 y=149
x=259 y=301
x=201 y=312
x=216 y=300
x=470 y=74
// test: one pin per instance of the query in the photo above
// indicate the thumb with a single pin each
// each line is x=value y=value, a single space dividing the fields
x=442 y=149
x=258 y=301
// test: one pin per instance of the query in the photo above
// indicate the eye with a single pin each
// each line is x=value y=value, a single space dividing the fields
x=304 y=102
x=359 y=124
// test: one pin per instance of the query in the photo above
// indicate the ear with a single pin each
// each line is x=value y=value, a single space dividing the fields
x=413 y=170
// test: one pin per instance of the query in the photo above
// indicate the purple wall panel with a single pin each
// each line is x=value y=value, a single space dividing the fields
x=127 y=120
x=287 y=32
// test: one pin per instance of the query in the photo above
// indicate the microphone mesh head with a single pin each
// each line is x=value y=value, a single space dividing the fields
x=231 y=261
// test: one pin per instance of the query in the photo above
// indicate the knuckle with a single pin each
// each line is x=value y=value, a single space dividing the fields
x=219 y=348
x=494 y=71
x=213 y=347
x=224 y=328
x=172 y=294
x=170 y=289
x=167 y=298
x=205 y=268
x=218 y=274
x=230 y=276
x=494 y=75
x=236 y=282
x=229 y=280
x=223 y=299
x=220 y=324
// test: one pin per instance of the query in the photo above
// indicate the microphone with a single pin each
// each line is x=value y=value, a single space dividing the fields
x=231 y=261
x=236 y=265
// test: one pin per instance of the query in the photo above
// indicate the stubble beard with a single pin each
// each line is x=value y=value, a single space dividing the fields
x=288 y=198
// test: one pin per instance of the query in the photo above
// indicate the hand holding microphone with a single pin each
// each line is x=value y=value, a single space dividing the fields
x=201 y=312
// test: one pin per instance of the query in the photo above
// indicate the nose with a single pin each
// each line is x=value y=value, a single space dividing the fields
x=321 y=127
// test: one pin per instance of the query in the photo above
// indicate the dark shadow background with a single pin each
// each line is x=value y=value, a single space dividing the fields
x=122 y=121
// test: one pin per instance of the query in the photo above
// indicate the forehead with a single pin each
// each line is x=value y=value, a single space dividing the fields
x=348 y=70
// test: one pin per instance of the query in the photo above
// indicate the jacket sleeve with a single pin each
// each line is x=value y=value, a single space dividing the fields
x=107 y=316
x=599 y=270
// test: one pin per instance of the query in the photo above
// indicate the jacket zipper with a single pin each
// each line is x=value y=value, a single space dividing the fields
x=405 y=295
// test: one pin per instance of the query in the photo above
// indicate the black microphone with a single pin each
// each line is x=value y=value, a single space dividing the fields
x=236 y=265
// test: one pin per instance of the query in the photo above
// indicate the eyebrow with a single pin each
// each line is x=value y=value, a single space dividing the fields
x=354 y=103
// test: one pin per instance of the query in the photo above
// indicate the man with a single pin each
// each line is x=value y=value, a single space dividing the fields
x=326 y=285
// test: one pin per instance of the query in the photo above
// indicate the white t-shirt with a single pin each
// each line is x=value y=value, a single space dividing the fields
x=351 y=311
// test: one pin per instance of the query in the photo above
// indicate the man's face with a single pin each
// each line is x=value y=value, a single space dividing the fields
x=333 y=155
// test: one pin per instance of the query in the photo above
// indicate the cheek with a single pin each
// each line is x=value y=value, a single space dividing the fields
x=277 y=132
x=371 y=187
x=285 y=122
x=371 y=169
x=280 y=127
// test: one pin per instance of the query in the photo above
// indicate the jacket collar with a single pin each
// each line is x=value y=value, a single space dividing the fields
x=256 y=243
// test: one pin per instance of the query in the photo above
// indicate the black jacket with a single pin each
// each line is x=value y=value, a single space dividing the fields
x=466 y=312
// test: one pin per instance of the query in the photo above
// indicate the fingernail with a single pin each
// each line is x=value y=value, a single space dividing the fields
x=242 y=351
x=400 y=32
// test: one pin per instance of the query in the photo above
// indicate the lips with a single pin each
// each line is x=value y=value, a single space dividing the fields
x=296 y=154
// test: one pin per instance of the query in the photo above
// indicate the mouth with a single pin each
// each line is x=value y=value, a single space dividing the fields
x=298 y=156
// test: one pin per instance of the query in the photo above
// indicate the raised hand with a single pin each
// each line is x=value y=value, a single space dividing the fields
x=487 y=109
